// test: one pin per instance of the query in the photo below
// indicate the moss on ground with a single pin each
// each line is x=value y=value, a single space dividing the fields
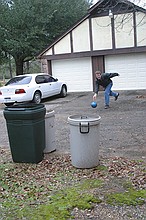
x=62 y=202
x=51 y=190
x=132 y=197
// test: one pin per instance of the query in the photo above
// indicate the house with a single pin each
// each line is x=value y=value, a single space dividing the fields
x=110 y=38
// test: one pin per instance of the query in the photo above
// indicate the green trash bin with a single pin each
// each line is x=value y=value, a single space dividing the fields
x=26 y=132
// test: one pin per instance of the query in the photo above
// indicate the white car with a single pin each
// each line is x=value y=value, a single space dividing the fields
x=31 y=87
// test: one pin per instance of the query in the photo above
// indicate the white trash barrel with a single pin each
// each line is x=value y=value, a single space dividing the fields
x=84 y=141
x=50 y=132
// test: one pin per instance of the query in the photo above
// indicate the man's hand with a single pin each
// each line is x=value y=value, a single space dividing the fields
x=94 y=97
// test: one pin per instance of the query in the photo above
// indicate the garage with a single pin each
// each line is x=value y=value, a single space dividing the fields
x=132 y=70
x=77 y=73
x=123 y=51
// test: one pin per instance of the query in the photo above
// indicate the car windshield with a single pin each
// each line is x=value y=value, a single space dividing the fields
x=19 y=80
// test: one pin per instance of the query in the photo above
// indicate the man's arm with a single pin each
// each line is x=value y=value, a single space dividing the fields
x=113 y=75
x=96 y=87
x=96 y=90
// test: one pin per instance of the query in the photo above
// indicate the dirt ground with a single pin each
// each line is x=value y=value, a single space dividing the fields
x=122 y=126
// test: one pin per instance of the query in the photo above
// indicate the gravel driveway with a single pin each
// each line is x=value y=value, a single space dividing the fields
x=122 y=127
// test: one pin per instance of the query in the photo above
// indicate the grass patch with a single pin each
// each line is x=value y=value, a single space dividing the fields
x=89 y=184
x=53 y=188
x=132 y=197
x=127 y=185
x=101 y=168
x=61 y=203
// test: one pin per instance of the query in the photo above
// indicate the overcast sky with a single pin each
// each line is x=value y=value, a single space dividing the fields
x=138 y=2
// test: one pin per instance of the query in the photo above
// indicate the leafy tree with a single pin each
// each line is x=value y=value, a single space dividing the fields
x=28 y=26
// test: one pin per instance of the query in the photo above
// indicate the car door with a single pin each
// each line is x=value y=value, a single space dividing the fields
x=45 y=85
x=54 y=84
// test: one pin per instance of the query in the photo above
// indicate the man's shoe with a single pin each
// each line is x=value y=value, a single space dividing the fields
x=116 y=97
x=106 y=106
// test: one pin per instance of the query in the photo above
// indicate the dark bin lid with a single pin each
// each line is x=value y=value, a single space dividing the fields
x=24 y=107
x=29 y=111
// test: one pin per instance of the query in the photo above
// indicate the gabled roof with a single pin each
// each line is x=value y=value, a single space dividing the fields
x=63 y=35
x=129 y=2
x=103 y=5
x=100 y=8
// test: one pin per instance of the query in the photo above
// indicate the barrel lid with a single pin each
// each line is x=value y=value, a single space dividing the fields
x=77 y=119
x=50 y=113
x=24 y=107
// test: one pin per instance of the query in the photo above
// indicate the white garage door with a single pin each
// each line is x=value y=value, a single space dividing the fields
x=77 y=73
x=132 y=70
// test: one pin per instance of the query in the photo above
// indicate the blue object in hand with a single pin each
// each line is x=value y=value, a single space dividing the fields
x=93 y=104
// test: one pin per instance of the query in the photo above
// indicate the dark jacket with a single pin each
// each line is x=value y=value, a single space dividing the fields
x=105 y=80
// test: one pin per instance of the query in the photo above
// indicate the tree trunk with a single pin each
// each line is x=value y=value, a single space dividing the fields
x=27 y=66
x=19 y=66
x=10 y=66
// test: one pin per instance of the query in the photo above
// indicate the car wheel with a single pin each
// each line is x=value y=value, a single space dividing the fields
x=63 y=92
x=37 y=98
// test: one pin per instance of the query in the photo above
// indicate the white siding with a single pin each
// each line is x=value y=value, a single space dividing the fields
x=48 y=52
x=63 y=46
x=81 y=38
x=141 y=29
x=124 y=31
x=101 y=31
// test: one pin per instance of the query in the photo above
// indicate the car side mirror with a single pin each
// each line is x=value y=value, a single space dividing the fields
x=56 y=79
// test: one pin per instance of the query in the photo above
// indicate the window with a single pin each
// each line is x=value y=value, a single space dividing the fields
x=19 y=80
x=40 y=79
x=44 y=79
